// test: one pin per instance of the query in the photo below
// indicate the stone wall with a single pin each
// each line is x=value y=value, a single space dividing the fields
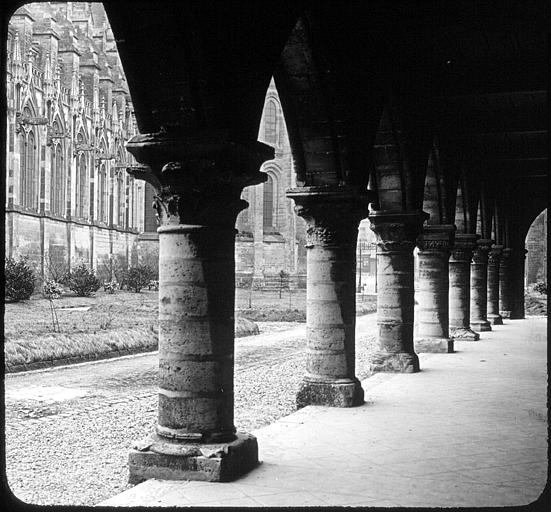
x=536 y=244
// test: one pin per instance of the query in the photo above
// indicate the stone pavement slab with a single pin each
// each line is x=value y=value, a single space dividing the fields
x=469 y=430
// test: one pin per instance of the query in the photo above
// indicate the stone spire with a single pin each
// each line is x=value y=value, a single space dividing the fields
x=18 y=71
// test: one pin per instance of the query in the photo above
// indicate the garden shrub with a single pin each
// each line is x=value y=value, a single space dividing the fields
x=82 y=281
x=19 y=280
x=540 y=287
x=138 y=277
x=51 y=289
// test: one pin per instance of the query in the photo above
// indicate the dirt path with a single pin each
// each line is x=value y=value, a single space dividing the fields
x=37 y=392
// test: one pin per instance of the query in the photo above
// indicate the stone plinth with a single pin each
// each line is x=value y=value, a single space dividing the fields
x=332 y=215
x=494 y=258
x=161 y=458
x=198 y=185
x=479 y=286
x=460 y=287
x=396 y=233
x=434 y=245
x=505 y=283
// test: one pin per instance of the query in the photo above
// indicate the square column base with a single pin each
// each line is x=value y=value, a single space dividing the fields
x=495 y=319
x=434 y=345
x=481 y=325
x=332 y=394
x=464 y=333
x=397 y=362
x=165 y=459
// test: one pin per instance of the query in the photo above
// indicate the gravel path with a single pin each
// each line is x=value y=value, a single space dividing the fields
x=68 y=432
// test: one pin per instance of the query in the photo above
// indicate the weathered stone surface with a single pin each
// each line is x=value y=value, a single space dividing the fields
x=332 y=215
x=460 y=287
x=198 y=184
x=157 y=457
x=396 y=233
x=435 y=243
x=479 y=286
x=494 y=258
x=334 y=394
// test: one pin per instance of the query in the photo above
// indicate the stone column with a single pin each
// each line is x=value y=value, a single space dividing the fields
x=460 y=287
x=434 y=245
x=332 y=215
x=198 y=199
x=396 y=233
x=518 y=258
x=505 y=284
x=479 y=286
x=493 y=285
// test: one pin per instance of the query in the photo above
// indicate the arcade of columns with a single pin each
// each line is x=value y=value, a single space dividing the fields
x=364 y=145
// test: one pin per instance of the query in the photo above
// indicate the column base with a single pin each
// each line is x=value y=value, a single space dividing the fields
x=464 y=333
x=165 y=459
x=332 y=394
x=495 y=319
x=481 y=325
x=399 y=362
x=434 y=345
x=505 y=314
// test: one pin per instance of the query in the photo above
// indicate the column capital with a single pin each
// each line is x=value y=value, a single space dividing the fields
x=495 y=254
x=331 y=213
x=436 y=238
x=198 y=179
x=463 y=247
x=481 y=250
x=397 y=230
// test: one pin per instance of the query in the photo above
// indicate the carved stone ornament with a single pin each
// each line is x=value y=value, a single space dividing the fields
x=480 y=254
x=436 y=238
x=198 y=179
x=464 y=245
x=494 y=255
x=332 y=214
x=397 y=230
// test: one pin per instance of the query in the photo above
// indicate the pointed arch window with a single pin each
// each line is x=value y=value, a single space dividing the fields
x=102 y=193
x=28 y=170
x=81 y=181
x=57 y=175
x=121 y=199
x=268 y=203
x=270 y=123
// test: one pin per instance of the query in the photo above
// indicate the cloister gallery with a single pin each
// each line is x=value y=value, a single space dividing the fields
x=429 y=119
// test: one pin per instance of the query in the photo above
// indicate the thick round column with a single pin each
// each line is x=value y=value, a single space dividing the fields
x=396 y=233
x=460 y=287
x=198 y=186
x=493 y=285
x=332 y=216
x=505 y=284
x=196 y=340
x=479 y=286
x=432 y=291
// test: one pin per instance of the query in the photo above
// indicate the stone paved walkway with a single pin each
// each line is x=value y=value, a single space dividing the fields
x=469 y=430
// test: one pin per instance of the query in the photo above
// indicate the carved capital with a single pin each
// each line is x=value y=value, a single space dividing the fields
x=332 y=214
x=397 y=230
x=480 y=254
x=198 y=179
x=436 y=238
x=464 y=245
x=494 y=256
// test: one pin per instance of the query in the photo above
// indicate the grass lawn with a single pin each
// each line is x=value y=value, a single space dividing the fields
x=122 y=321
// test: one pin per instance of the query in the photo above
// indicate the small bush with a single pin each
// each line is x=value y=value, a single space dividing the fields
x=51 y=289
x=138 y=277
x=19 y=280
x=540 y=287
x=82 y=281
